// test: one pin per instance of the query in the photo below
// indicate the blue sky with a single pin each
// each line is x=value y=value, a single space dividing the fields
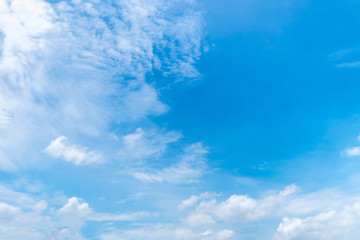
x=154 y=119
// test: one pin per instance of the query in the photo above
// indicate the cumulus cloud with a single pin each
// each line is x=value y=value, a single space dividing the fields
x=190 y=167
x=335 y=224
x=245 y=208
x=74 y=207
x=23 y=216
x=60 y=148
x=76 y=67
x=316 y=215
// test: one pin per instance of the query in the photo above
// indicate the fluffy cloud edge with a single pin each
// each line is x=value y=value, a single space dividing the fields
x=78 y=155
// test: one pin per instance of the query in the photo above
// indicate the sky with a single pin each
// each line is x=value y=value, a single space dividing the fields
x=179 y=119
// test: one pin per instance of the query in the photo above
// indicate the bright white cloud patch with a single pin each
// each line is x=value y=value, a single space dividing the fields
x=240 y=208
x=74 y=207
x=60 y=148
x=335 y=224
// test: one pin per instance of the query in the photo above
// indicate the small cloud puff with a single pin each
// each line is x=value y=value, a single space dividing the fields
x=78 y=155
x=352 y=152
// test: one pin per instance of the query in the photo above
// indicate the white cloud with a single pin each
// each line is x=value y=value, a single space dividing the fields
x=352 y=152
x=225 y=234
x=23 y=216
x=244 y=208
x=141 y=145
x=190 y=167
x=176 y=174
x=199 y=219
x=60 y=148
x=101 y=217
x=334 y=224
x=191 y=201
x=330 y=219
x=74 y=207
x=8 y=212
x=168 y=231
x=77 y=67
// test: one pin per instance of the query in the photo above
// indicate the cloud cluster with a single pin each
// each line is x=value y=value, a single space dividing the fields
x=238 y=208
x=318 y=215
x=335 y=224
x=23 y=216
x=74 y=68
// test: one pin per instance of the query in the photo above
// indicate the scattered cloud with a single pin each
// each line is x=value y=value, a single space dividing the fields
x=349 y=65
x=75 y=68
x=316 y=215
x=78 y=155
x=347 y=58
x=191 y=201
x=190 y=167
x=23 y=216
x=141 y=145
x=334 y=224
x=244 y=208
x=168 y=231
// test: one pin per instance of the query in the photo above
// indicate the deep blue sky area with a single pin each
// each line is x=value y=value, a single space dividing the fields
x=271 y=86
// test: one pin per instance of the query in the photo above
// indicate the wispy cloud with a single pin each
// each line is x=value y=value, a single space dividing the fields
x=141 y=144
x=168 y=231
x=349 y=65
x=189 y=169
x=76 y=67
x=191 y=201
x=346 y=58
